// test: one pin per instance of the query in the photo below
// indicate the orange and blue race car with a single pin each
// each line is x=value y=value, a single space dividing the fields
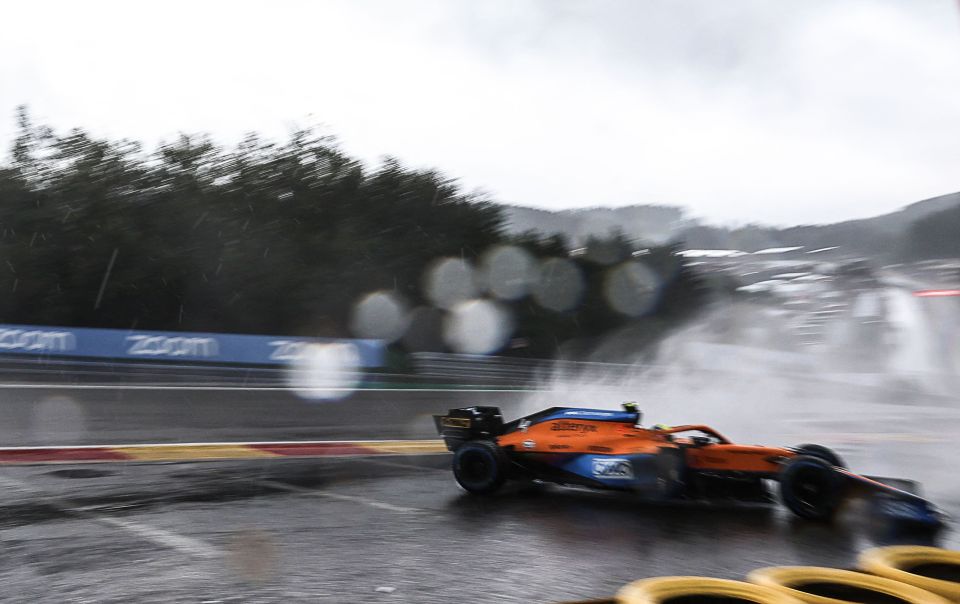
x=607 y=449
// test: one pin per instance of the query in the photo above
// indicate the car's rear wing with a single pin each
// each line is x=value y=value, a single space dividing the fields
x=468 y=423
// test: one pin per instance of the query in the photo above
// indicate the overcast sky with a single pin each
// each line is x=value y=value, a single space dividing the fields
x=776 y=111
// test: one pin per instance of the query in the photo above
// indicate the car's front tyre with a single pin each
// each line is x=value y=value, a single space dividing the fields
x=821 y=452
x=811 y=488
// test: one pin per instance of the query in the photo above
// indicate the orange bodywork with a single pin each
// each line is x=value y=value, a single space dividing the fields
x=617 y=438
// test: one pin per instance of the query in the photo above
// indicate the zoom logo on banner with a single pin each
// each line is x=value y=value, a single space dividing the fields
x=295 y=350
x=36 y=340
x=176 y=346
x=183 y=346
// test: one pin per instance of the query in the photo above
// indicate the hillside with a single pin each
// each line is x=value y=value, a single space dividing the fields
x=652 y=224
x=879 y=236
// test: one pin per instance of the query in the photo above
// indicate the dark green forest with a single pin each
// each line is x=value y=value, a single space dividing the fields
x=264 y=237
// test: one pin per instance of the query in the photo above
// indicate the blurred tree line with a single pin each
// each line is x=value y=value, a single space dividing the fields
x=261 y=238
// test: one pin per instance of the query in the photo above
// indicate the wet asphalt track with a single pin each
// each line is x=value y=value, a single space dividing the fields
x=111 y=414
x=339 y=531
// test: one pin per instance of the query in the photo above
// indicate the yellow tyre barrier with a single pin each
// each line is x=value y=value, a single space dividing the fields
x=930 y=568
x=699 y=590
x=817 y=585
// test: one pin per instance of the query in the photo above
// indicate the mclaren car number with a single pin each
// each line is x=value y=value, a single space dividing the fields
x=612 y=468
x=455 y=422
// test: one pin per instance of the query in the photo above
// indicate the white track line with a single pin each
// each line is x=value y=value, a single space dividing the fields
x=188 y=545
x=162 y=537
x=9 y=386
x=362 y=500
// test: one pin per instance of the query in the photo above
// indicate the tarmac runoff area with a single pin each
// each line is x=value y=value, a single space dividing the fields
x=391 y=529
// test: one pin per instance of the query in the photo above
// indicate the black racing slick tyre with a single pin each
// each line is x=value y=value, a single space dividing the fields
x=479 y=467
x=821 y=452
x=811 y=488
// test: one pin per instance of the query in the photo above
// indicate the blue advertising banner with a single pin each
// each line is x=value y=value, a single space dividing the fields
x=168 y=345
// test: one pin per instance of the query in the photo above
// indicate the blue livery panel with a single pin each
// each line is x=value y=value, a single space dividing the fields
x=614 y=471
x=590 y=414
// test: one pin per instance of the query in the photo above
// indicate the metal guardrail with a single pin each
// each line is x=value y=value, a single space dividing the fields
x=431 y=370
x=511 y=370
x=18 y=369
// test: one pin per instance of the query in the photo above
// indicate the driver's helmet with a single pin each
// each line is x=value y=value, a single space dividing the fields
x=632 y=407
x=661 y=427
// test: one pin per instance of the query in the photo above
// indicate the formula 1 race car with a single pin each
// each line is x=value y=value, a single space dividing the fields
x=611 y=450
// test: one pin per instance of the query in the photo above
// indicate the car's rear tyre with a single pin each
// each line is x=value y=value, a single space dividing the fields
x=479 y=467
x=811 y=488
x=820 y=452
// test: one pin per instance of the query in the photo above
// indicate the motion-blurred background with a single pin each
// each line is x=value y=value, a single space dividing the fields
x=236 y=222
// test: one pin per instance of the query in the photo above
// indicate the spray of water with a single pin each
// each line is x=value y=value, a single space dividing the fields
x=728 y=371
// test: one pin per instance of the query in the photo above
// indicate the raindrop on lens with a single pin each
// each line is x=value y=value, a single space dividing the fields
x=559 y=285
x=450 y=281
x=326 y=371
x=59 y=418
x=477 y=327
x=631 y=289
x=508 y=272
x=380 y=316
